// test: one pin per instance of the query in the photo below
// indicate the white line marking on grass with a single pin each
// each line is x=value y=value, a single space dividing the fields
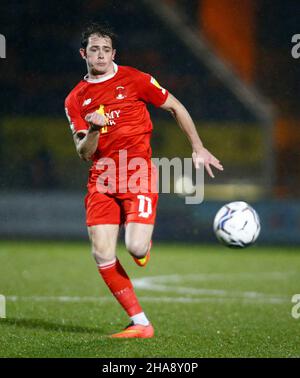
x=101 y=300
x=38 y=298
x=222 y=276
x=170 y=284
x=166 y=284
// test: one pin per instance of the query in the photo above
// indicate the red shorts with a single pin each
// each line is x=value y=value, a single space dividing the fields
x=128 y=198
x=120 y=208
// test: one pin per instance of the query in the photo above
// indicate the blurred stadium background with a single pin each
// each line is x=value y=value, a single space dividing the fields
x=228 y=61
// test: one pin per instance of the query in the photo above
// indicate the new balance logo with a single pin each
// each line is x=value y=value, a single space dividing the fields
x=86 y=102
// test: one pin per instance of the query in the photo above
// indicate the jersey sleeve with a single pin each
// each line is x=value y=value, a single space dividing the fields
x=149 y=90
x=77 y=123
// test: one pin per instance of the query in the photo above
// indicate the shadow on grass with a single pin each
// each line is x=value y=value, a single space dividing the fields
x=48 y=326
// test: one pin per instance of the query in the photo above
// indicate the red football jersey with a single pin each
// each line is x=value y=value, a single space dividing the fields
x=123 y=96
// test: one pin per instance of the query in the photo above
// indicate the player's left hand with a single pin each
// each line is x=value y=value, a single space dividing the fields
x=203 y=156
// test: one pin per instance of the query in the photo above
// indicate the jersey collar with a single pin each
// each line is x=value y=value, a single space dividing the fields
x=102 y=79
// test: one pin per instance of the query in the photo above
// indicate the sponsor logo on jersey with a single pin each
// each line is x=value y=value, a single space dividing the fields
x=156 y=84
x=87 y=101
x=120 y=93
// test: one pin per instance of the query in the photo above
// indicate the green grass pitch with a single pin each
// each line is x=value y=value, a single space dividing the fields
x=204 y=301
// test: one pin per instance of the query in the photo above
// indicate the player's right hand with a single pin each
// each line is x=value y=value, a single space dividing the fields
x=96 y=119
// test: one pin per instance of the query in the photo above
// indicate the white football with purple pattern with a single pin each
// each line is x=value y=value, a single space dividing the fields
x=237 y=225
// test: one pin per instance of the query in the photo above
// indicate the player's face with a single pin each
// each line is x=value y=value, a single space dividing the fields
x=99 y=55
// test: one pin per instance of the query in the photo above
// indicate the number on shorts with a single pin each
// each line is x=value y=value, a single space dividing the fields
x=145 y=206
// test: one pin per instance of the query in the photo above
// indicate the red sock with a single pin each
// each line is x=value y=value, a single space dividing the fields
x=120 y=285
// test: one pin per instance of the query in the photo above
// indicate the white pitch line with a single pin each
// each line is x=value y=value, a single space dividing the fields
x=222 y=276
x=39 y=298
x=99 y=300
x=217 y=276
x=165 y=284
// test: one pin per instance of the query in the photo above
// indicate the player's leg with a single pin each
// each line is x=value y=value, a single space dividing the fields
x=103 y=209
x=138 y=238
x=104 y=240
x=140 y=214
x=138 y=242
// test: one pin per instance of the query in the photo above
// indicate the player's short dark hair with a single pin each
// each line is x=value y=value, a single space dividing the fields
x=102 y=30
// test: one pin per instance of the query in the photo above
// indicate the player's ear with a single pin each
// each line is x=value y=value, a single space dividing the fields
x=113 y=54
x=82 y=52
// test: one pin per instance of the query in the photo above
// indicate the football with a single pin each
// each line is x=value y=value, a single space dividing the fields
x=237 y=225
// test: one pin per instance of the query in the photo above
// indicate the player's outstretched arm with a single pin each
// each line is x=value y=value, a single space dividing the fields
x=86 y=142
x=200 y=154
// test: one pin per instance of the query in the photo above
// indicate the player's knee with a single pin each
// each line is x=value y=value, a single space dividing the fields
x=101 y=254
x=137 y=248
x=96 y=253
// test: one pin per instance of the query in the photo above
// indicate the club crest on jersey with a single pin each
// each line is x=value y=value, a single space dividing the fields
x=120 y=93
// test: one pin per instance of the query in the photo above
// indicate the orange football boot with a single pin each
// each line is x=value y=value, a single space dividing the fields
x=135 y=331
x=143 y=261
